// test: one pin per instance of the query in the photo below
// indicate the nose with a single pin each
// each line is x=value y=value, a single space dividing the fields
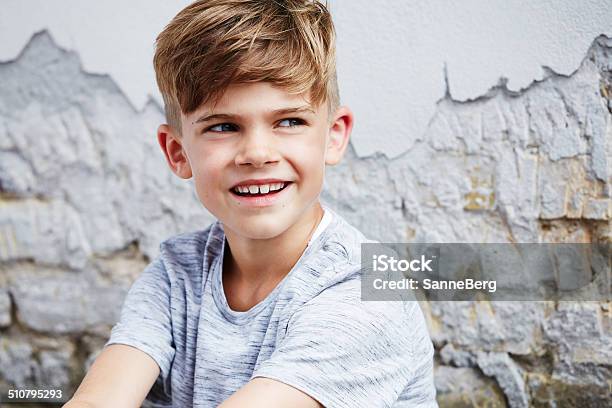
x=256 y=149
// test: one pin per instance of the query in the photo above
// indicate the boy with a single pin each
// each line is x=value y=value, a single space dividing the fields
x=262 y=308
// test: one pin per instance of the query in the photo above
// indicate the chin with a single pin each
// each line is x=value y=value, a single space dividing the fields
x=261 y=229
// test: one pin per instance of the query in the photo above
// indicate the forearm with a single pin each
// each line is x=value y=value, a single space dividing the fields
x=120 y=377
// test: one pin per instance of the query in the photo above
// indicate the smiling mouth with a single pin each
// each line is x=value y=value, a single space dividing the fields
x=260 y=190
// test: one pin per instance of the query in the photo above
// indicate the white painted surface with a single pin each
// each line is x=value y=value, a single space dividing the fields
x=112 y=37
x=391 y=53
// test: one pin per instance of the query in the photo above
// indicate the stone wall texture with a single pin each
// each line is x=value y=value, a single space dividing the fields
x=86 y=198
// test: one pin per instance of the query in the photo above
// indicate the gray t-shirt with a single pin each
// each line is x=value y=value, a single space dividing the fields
x=312 y=331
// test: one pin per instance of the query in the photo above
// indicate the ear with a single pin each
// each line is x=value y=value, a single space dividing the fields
x=172 y=147
x=339 y=134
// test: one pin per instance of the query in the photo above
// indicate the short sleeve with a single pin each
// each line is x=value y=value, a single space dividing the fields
x=145 y=321
x=350 y=353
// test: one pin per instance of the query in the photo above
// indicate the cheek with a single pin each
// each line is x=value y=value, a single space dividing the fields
x=309 y=161
x=208 y=164
x=203 y=174
x=309 y=147
x=208 y=174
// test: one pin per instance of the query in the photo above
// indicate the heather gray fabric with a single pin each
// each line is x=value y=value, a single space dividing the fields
x=312 y=331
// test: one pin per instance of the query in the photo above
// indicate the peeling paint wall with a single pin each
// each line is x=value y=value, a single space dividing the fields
x=396 y=59
x=85 y=198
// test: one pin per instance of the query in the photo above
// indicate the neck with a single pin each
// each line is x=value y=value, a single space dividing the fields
x=248 y=260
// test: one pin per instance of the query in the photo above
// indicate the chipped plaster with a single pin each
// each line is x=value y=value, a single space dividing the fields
x=392 y=55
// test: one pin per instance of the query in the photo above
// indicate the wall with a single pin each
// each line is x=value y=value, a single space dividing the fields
x=83 y=208
x=406 y=55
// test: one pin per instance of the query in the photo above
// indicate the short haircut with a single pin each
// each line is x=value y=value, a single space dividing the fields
x=212 y=44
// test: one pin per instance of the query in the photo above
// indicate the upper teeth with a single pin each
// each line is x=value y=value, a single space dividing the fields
x=260 y=188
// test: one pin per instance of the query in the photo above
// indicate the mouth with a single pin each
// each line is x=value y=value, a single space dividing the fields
x=260 y=190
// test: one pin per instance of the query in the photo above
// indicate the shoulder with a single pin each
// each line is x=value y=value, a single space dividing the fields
x=330 y=269
x=187 y=242
x=335 y=255
x=341 y=305
x=190 y=248
x=183 y=258
x=344 y=237
x=343 y=302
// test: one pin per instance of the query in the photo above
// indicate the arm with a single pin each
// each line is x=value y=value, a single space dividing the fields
x=120 y=377
x=140 y=346
x=268 y=393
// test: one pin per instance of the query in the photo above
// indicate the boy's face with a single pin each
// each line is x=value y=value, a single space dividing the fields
x=258 y=135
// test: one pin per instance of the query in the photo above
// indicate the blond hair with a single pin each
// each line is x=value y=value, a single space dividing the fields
x=212 y=44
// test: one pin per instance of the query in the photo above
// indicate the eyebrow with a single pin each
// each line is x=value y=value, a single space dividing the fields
x=284 y=111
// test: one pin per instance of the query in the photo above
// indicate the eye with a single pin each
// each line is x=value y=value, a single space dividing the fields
x=221 y=128
x=291 y=122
